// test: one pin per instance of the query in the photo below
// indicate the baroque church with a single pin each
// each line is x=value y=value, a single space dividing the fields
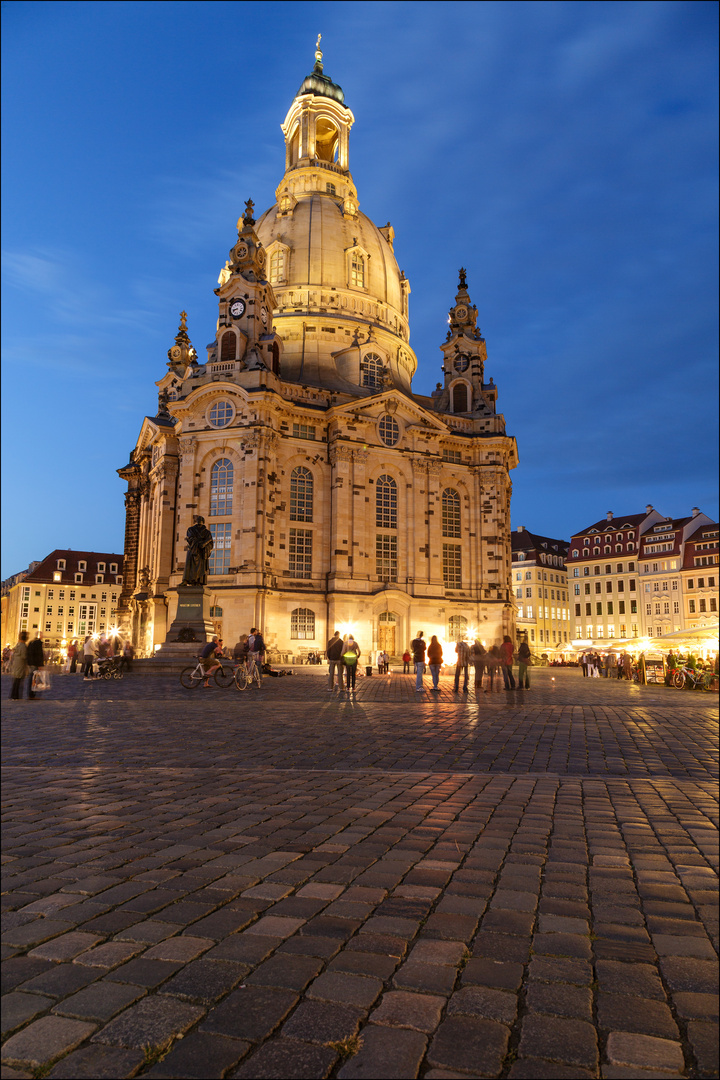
x=336 y=497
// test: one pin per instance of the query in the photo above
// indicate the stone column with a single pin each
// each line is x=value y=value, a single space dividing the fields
x=131 y=473
x=340 y=455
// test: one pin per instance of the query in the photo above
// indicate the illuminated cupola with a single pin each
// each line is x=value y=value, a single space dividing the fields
x=464 y=356
x=317 y=133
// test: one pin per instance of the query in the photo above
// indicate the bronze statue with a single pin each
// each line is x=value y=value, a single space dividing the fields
x=199 y=545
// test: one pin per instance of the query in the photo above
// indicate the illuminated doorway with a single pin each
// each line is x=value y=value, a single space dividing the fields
x=387 y=623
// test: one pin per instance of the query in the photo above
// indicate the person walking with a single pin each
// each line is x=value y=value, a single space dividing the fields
x=462 y=665
x=18 y=666
x=334 y=653
x=584 y=663
x=619 y=671
x=406 y=662
x=350 y=656
x=418 y=646
x=435 y=659
x=256 y=650
x=478 y=656
x=88 y=658
x=524 y=656
x=506 y=655
x=35 y=660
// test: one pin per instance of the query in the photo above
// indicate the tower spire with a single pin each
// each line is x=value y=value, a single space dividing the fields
x=318 y=56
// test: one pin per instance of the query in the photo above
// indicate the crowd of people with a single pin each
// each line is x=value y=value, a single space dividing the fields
x=84 y=658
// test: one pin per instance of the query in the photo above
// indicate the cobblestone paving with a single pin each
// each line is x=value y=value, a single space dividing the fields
x=285 y=883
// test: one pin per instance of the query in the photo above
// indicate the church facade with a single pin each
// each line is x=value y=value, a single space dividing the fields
x=337 y=498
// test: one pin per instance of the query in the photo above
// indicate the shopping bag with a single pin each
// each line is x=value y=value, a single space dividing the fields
x=40 y=680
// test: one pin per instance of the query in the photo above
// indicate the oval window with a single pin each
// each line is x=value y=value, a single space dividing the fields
x=389 y=431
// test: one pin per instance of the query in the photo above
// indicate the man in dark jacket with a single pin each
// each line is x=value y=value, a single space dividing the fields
x=418 y=646
x=334 y=656
x=35 y=660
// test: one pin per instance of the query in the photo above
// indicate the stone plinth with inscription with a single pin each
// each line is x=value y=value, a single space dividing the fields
x=192 y=625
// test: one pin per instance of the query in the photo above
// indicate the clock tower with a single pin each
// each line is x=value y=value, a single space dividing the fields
x=244 y=333
x=464 y=390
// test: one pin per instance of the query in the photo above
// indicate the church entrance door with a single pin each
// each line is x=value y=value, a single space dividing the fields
x=387 y=621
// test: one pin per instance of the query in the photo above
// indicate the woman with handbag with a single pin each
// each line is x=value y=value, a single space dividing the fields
x=351 y=655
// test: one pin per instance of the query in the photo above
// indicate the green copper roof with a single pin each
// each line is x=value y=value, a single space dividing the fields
x=321 y=85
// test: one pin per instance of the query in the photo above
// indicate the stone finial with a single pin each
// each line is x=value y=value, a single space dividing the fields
x=463 y=278
x=248 y=218
x=163 y=412
x=318 y=55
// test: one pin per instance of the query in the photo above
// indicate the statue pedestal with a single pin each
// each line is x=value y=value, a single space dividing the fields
x=192 y=626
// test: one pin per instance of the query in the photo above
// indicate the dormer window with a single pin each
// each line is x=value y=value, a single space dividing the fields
x=113 y=568
x=101 y=567
x=61 y=564
x=357 y=270
x=99 y=579
x=82 y=566
x=372 y=371
x=78 y=579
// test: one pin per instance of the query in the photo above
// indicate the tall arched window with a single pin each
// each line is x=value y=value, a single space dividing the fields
x=386 y=503
x=372 y=370
x=228 y=344
x=221 y=488
x=460 y=398
x=450 y=512
x=301 y=495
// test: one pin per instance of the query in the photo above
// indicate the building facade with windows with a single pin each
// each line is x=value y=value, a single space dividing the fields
x=68 y=595
x=335 y=495
x=626 y=577
x=699 y=576
x=540 y=587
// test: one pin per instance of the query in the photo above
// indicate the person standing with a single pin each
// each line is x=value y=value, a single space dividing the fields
x=406 y=662
x=73 y=655
x=418 y=646
x=127 y=656
x=462 y=665
x=35 y=660
x=435 y=659
x=18 y=666
x=584 y=663
x=493 y=661
x=88 y=657
x=256 y=650
x=524 y=656
x=334 y=653
x=610 y=665
x=350 y=656
x=506 y=656
x=479 y=657
x=620 y=660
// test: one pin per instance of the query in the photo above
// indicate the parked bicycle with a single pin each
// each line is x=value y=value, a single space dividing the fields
x=246 y=673
x=694 y=680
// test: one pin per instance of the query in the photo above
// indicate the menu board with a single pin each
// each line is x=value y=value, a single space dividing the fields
x=654 y=671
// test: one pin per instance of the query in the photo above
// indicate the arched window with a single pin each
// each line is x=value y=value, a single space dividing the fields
x=521 y=556
x=460 y=398
x=357 y=269
x=386 y=503
x=221 y=488
x=450 y=512
x=228 y=344
x=607 y=549
x=277 y=266
x=302 y=623
x=326 y=140
x=457 y=628
x=575 y=554
x=301 y=495
x=618 y=547
x=372 y=371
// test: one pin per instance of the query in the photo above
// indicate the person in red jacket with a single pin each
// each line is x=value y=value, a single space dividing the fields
x=506 y=653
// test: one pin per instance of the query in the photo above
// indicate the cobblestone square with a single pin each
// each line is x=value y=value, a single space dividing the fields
x=292 y=882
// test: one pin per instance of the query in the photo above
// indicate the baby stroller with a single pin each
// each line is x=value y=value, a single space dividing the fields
x=109 y=667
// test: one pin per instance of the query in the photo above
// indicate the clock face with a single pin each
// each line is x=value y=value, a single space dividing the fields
x=175 y=351
x=462 y=362
x=237 y=308
x=460 y=312
x=241 y=251
x=263 y=314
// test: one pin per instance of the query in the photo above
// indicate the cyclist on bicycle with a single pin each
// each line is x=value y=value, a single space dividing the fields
x=209 y=658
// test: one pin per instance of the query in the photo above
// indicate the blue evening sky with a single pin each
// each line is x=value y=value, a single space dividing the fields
x=565 y=153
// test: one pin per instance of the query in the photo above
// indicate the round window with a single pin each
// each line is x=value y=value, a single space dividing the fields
x=389 y=431
x=221 y=413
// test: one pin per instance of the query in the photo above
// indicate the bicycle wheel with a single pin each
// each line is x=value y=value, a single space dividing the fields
x=678 y=680
x=255 y=677
x=190 y=678
x=224 y=677
x=242 y=679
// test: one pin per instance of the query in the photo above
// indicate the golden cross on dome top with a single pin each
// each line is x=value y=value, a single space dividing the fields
x=183 y=320
x=318 y=53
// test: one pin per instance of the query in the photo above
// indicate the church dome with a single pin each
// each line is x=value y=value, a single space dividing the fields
x=341 y=295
